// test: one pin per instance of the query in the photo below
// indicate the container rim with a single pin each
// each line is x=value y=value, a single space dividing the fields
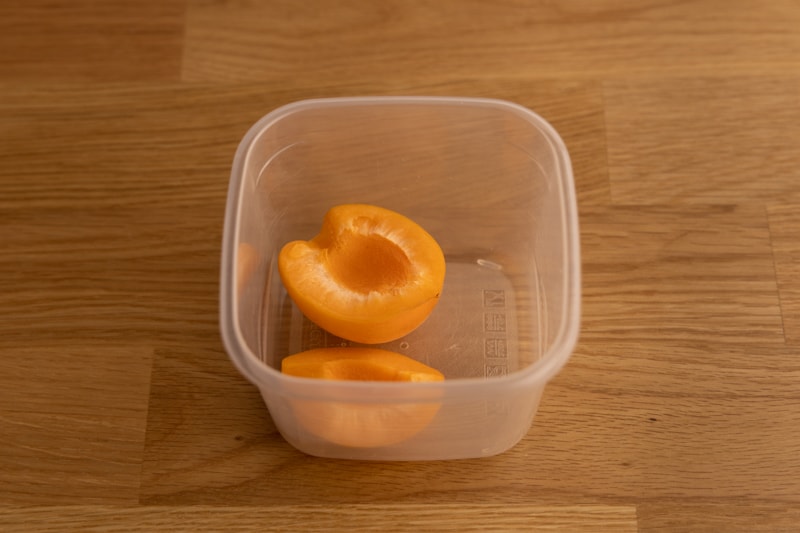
x=261 y=374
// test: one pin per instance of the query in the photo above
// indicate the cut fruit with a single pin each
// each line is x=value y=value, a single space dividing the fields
x=359 y=364
x=368 y=424
x=371 y=275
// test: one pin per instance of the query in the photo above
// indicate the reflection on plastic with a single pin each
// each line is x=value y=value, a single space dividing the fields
x=364 y=425
x=246 y=262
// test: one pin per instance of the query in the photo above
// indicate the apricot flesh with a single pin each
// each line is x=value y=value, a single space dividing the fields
x=363 y=424
x=359 y=364
x=371 y=275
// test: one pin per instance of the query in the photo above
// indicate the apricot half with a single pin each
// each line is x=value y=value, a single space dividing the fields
x=367 y=424
x=358 y=363
x=371 y=275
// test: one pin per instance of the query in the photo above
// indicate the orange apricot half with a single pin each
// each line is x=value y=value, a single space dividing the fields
x=371 y=275
x=365 y=424
x=359 y=364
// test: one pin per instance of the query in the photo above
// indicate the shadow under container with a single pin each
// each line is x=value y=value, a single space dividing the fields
x=492 y=182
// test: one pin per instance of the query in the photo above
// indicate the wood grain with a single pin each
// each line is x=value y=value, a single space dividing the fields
x=208 y=431
x=108 y=274
x=688 y=517
x=90 y=40
x=697 y=280
x=624 y=422
x=70 y=435
x=119 y=409
x=704 y=140
x=236 y=40
x=172 y=145
x=75 y=147
x=785 y=232
x=655 y=274
x=650 y=417
x=314 y=518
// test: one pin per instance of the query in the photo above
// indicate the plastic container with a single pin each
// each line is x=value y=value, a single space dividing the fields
x=492 y=182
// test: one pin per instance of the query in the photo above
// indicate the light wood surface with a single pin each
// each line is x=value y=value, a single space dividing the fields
x=315 y=518
x=119 y=409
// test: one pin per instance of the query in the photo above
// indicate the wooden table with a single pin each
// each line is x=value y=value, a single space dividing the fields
x=119 y=409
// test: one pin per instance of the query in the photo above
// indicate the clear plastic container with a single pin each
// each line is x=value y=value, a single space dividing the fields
x=492 y=182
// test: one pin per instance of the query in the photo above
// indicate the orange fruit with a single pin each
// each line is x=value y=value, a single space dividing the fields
x=367 y=424
x=359 y=364
x=371 y=275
